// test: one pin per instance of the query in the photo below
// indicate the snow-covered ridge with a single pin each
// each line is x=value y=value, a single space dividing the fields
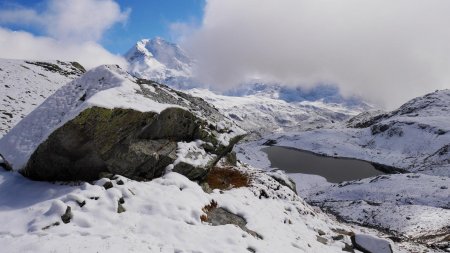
x=262 y=114
x=159 y=60
x=24 y=85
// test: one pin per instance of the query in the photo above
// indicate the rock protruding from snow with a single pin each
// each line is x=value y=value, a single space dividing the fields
x=109 y=87
x=24 y=85
x=371 y=244
x=130 y=143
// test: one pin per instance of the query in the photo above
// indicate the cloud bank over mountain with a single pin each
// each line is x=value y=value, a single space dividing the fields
x=72 y=31
x=387 y=51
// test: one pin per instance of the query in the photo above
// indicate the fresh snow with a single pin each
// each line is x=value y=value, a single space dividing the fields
x=24 y=86
x=261 y=114
x=162 y=215
x=105 y=86
x=159 y=60
x=412 y=205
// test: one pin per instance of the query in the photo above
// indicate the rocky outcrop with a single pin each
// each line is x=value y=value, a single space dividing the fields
x=370 y=244
x=4 y=164
x=137 y=145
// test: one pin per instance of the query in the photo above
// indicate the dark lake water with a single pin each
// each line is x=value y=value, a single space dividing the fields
x=335 y=170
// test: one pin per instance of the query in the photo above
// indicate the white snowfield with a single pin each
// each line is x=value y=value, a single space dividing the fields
x=262 y=114
x=162 y=215
x=25 y=85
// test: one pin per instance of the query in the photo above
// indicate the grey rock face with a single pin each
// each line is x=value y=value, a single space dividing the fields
x=370 y=244
x=220 y=216
x=133 y=144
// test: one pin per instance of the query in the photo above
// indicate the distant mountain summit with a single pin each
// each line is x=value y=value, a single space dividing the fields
x=159 y=60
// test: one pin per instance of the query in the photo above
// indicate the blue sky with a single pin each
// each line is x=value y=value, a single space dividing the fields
x=147 y=19
x=150 y=18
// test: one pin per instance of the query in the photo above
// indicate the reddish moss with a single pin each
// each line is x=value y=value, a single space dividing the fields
x=225 y=178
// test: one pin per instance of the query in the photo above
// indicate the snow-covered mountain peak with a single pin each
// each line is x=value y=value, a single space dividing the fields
x=159 y=60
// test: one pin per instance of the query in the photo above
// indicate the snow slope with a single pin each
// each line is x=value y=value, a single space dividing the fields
x=26 y=84
x=262 y=114
x=107 y=87
x=415 y=137
x=162 y=215
x=256 y=107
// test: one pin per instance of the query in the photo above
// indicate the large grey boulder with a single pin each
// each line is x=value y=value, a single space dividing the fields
x=371 y=244
x=137 y=145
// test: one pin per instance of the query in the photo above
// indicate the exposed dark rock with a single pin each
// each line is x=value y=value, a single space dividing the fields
x=270 y=142
x=321 y=239
x=173 y=123
x=75 y=67
x=51 y=225
x=82 y=203
x=120 y=208
x=4 y=164
x=137 y=145
x=337 y=237
x=219 y=216
x=108 y=185
x=67 y=216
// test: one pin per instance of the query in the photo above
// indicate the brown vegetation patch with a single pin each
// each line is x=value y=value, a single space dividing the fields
x=225 y=178
x=208 y=208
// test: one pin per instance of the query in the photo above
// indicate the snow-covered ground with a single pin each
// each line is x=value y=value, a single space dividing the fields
x=415 y=138
x=25 y=85
x=261 y=114
x=162 y=215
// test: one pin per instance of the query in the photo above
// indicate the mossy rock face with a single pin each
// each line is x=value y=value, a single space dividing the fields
x=130 y=143
x=174 y=123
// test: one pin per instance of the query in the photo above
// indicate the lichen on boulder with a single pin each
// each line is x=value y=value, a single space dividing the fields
x=137 y=145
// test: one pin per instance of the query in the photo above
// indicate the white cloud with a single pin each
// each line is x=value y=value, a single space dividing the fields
x=385 y=50
x=23 y=45
x=72 y=28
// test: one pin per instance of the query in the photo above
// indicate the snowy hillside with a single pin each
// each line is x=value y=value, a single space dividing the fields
x=262 y=114
x=412 y=206
x=256 y=107
x=26 y=84
x=105 y=87
x=415 y=137
x=234 y=208
x=161 y=61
